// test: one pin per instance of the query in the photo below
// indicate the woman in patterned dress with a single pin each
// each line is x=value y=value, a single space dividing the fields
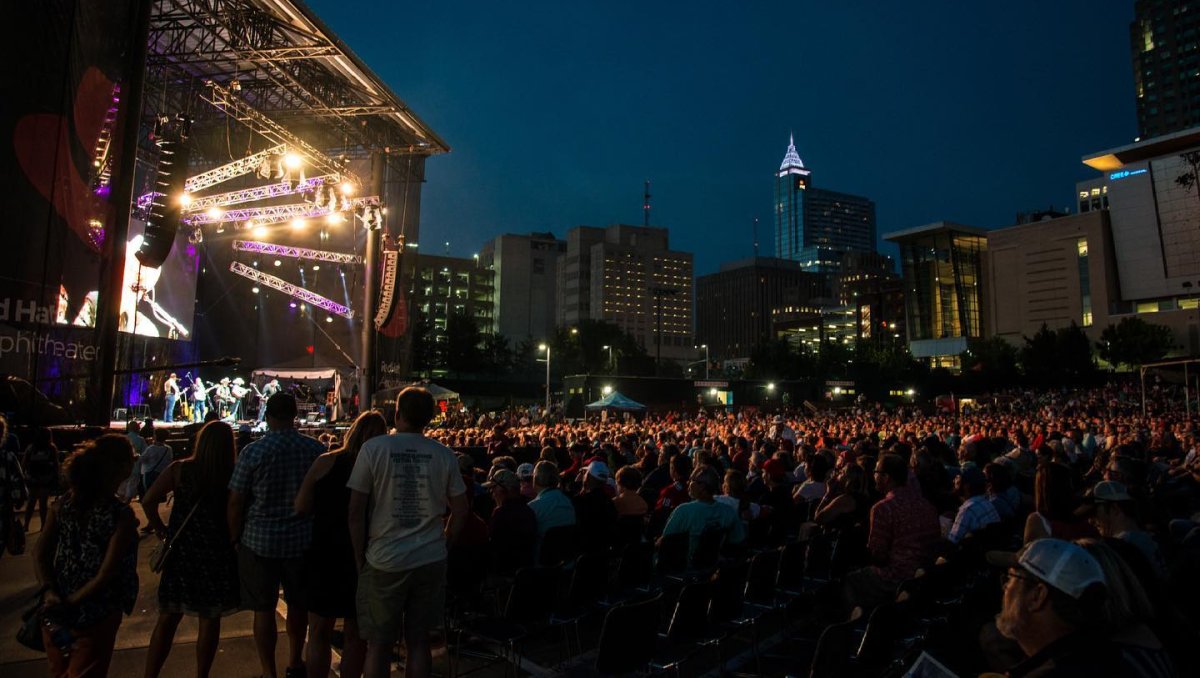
x=87 y=560
x=199 y=577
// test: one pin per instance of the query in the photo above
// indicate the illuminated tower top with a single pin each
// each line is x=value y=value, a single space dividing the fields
x=792 y=164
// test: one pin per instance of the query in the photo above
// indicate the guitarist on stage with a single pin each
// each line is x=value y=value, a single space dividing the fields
x=271 y=388
x=172 y=392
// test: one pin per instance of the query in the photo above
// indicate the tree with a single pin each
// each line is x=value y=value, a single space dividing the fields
x=1190 y=180
x=1062 y=356
x=992 y=362
x=1039 y=356
x=423 y=347
x=1133 y=342
x=1073 y=353
x=462 y=347
x=497 y=357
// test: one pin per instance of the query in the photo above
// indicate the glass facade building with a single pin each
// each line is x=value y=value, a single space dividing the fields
x=1164 y=40
x=815 y=226
x=791 y=183
x=942 y=269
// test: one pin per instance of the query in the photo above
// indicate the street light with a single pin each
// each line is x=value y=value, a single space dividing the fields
x=705 y=347
x=546 y=348
x=606 y=390
x=610 y=362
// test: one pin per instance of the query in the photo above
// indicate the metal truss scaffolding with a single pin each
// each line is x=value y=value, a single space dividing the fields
x=280 y=60
x=272 y=249
x=274 y=214
x=292 y=290
x=203 y=203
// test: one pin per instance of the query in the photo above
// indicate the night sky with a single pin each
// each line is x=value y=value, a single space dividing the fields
x=556 y=112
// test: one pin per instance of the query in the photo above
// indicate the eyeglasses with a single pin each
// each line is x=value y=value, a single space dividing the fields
x=1014 y=574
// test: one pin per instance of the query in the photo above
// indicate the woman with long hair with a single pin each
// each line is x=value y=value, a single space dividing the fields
x=87 y=560
x=330 y=560
x=199 y=577
x=1054 y=506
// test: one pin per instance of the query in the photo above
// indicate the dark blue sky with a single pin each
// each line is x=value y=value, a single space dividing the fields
x=556 y=112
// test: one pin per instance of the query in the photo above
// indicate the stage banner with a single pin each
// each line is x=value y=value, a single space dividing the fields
x=60 y=120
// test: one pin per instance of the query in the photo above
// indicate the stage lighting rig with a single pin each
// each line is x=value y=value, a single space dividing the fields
x=287 y=288
x=271 y=249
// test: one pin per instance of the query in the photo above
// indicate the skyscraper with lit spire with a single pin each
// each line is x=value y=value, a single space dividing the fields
x=814 y=226
x=791 y=181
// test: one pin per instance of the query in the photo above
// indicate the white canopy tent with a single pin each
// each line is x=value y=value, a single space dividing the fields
x=318 y=379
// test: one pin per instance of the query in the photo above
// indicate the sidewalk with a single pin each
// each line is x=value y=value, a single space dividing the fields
x=236 y=656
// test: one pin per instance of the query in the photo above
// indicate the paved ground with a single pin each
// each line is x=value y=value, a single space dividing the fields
x=236 y=657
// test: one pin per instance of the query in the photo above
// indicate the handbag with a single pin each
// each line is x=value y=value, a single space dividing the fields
x=14 y=541
x=29 y=633
x=158 y=556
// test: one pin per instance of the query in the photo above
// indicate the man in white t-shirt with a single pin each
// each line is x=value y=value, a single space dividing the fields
x=408 y=481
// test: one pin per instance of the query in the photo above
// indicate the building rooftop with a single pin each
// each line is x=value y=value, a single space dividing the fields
x=935 y=227
x=1155 y=147
x=760 y=262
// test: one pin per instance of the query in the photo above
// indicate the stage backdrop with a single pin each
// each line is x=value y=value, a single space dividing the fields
x=60 y=125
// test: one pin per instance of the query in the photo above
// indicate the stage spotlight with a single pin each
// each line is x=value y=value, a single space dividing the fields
x=316 y=267
x=299 y=224
x=293 y=304
x=196 y=237
x=254 y=289
x=260 y=232
x=334 y=218
x=185 y=199
x=278 y=262
x=347 y=188
x=221 y=227
x=214 y=213
x=328 y=318
x=292 y=161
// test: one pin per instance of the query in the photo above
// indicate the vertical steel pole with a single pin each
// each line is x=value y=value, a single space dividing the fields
x=112 y=266
x=366 y=368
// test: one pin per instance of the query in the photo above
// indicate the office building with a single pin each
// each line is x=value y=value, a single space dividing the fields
x=526 y=283
x=1166 y=65
x=443 y=286
x=629 y=276
x=941 y=266
x=815 y=226
x=739 y=299
x=1067 y=274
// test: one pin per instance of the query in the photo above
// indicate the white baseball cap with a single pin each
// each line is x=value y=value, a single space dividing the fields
x=1065 y=565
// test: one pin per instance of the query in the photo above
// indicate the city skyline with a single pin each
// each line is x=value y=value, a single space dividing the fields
x=557 y=114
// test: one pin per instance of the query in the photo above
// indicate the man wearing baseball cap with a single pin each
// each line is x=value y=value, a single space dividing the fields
x=512 y=528
x=1053 y=607
x=1112 y=511
x=595 y=513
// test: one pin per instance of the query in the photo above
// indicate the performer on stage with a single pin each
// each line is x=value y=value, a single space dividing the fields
x=239 y=391
x=224 y=399
x=199 y=400
x=171 y=389
x=271 y=388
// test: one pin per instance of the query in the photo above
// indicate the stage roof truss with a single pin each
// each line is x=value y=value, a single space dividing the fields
x=277 y=213
x=291 y=290
x=203 y=203
x=279 y=59
x=232 y=170
x=295 y=252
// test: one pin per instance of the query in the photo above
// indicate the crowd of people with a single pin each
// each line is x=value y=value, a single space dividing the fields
x=1088 y=502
